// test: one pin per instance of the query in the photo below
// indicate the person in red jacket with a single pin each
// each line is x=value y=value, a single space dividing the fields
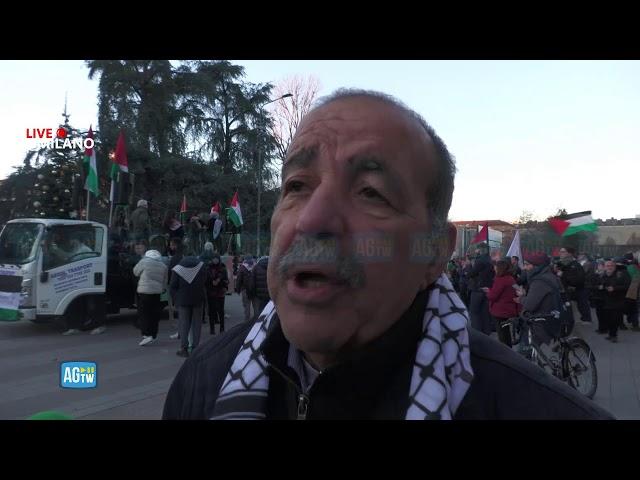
x=501 y=303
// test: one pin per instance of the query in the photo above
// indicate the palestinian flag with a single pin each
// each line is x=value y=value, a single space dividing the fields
x=233 y=213
x=120 y=164
x=91 y=182
x=10 y=293
x=217 y=208
x=483 y=234
x=574 y=223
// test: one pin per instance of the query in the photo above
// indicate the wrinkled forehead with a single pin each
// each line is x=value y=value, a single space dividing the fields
x=368 y=122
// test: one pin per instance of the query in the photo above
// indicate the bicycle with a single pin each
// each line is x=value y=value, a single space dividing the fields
x=570 y=359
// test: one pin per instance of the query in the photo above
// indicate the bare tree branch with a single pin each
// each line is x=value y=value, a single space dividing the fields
x=288 y=113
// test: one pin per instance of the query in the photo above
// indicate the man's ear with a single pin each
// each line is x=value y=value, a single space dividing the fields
x=444 y=247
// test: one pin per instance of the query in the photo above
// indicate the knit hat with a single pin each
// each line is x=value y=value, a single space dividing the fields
x=537 y=259
x=143 y=203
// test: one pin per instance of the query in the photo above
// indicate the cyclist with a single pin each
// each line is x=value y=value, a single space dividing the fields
x=540 y=297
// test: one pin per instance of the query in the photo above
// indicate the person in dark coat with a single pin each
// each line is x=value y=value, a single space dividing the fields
x=241 y=286
x=481 y=276
x=188 y=290
x=502 y=305
x=614 y=285
x=258 y=288
x=217 y=286
x=593 y=279
x=572 y=275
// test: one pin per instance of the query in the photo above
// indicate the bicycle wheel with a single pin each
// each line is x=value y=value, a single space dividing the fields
x=580 y=367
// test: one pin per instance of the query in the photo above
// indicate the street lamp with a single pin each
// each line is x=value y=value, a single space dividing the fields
x=286 y=95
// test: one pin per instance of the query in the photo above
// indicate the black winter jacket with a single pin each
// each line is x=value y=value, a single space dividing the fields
x=620 y=281
x=374 y=383
x=482 y=273
x=259 y=273
x=189 y=294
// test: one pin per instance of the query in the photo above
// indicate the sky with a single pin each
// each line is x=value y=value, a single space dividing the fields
x=526 y=135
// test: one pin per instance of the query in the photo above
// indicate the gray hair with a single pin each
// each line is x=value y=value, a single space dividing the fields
x=440 y=191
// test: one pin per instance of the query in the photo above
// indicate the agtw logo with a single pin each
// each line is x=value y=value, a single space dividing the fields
x=78 y=375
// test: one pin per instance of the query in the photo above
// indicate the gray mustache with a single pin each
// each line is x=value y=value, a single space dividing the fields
x=310 y=250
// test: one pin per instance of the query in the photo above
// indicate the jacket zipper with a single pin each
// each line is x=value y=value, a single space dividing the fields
x=303 y=399
x=303 y=406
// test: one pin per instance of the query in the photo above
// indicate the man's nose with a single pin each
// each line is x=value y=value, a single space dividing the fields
x=324 y=213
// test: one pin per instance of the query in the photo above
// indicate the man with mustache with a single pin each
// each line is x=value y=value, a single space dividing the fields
x=363 y=323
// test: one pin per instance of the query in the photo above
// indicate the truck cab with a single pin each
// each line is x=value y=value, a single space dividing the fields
x=62 y=265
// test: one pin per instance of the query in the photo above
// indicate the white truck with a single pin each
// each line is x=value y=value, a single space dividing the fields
x=63 y=267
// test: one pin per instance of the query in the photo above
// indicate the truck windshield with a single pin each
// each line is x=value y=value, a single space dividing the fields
x=19 y=242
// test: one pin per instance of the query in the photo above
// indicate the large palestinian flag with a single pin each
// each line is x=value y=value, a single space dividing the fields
x=574 y=223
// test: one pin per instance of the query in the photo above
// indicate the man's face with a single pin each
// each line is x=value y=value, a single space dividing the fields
x=356 y=176
x=140 y=249
x=563 y=253
x=609 y=267
x=514 y=261
x=528 y=266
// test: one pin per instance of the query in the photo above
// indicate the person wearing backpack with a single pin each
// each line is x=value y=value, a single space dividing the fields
x=543 y=293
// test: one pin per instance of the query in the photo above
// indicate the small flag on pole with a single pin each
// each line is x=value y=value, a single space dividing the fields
x=91 y=183
x=483 y=235
x=515 y=250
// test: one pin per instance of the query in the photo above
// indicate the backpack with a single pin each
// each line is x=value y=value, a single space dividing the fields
x=562 y=326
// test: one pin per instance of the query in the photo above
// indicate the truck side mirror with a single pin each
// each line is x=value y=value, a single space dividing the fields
x=44 y=276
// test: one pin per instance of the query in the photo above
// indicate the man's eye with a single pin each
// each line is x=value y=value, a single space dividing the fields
x=372 y=194
x=294 y=186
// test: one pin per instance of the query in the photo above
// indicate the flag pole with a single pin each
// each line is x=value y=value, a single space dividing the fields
x=111 y=204
x=88 y=201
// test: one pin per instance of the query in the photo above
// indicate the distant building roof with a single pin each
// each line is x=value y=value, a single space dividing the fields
x=495 y=224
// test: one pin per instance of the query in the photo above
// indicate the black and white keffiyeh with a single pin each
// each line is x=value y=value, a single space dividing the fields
x=441 y=374
x=188 y=273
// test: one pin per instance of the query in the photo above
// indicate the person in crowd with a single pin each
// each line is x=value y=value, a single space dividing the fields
x=572 y=276
x=244 y=273
x=632 y=298
x=481 y=276
x=258 y=288
x=140 y=222
x=614 y=284
x=502 y=305
x=593 y=280
x=188 y=289
x=217 y=286
x=153 y=281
